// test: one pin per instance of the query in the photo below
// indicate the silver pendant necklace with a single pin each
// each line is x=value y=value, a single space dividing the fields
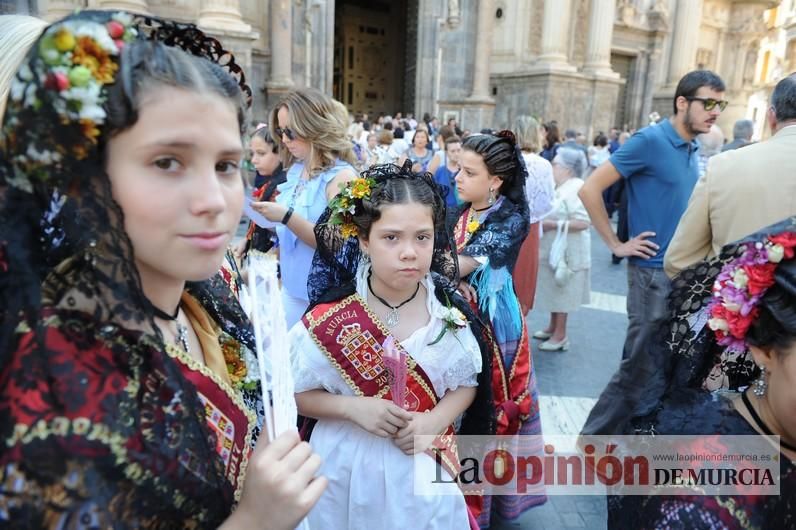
x=182 y=337
x=392 y=316
x=182 y=330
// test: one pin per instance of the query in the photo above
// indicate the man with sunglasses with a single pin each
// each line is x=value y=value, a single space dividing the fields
x=742 y=190
x=659 y=166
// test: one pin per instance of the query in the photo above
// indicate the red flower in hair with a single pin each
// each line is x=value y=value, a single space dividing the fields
x=739 y=324
x=788 y=242
x=761 y=277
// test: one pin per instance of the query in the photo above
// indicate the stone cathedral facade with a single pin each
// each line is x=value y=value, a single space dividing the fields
x=589 y=64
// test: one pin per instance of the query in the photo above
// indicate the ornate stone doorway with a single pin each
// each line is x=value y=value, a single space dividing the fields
x=624 y=65
x=370 y=55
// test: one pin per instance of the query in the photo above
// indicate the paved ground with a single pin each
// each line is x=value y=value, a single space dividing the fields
x=570 y=381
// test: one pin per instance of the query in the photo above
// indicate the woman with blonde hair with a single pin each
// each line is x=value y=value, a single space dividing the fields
x=310 y=130
x=17 y=35
x=539 y=189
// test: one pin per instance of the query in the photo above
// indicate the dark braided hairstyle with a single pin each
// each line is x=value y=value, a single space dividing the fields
x=420 y=189
x=503 y=159
x=337 y=258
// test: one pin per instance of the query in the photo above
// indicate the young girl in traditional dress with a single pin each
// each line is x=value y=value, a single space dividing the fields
x=401 y=291
x=127 y=387
x=489 y=231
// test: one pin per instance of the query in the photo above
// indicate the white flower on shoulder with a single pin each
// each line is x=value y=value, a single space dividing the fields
x=451 y=315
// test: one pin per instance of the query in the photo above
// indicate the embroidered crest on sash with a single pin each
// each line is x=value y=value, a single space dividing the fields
x=362 y=350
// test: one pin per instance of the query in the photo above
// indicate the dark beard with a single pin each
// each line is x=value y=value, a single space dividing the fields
x=688 y=126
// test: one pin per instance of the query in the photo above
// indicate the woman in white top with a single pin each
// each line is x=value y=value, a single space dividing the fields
x=564 y=285
x=539 y=189
x=599 y=152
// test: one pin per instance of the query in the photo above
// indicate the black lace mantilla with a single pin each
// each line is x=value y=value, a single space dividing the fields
x=94 y=416
x=501 y=234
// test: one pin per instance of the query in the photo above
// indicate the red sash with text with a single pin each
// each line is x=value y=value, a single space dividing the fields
x=351 y=337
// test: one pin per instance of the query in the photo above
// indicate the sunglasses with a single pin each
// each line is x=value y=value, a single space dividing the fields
x=287 y=131
x=710 y=103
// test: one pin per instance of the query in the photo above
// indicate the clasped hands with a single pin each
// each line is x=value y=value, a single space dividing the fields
x=386 y=419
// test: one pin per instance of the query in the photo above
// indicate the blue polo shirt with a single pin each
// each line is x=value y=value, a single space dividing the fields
x=660 y=169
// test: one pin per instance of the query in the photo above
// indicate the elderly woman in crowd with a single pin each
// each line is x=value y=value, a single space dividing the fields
x=565 y=254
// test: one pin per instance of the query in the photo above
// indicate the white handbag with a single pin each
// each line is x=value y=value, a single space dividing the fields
x=558 y=253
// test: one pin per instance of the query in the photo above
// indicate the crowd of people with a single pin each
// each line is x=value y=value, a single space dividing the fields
x=130 y=392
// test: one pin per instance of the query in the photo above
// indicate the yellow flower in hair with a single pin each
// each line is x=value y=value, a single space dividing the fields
x=90 y=130
x=89 y=54
x=64 y=40
x=360 y=188
x=349 y=230
x=472 y=226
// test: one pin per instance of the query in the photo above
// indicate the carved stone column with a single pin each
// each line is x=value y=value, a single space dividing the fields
x=54 y=9
x=601 y=29
x=222 y=19
x=554 y=36
x=486 y=14
x=478 y=110
x=281 y=24
x=684 y=39
x=223 y=15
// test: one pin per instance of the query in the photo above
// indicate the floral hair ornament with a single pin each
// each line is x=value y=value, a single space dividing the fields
x=741 y=284
x=344 y=205
x=56 y=103
x=72 y=63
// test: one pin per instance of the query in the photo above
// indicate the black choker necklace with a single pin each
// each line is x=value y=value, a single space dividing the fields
x=159 y=313
x=761 y=425
x=182 y=331
x=483 y=209
x=392 y=317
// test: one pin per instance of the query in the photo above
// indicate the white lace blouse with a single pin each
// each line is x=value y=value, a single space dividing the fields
x=539 y=186
x=452 y=362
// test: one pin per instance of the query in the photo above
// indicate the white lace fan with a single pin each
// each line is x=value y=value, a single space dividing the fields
x=273 y=354
x=270 y=333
